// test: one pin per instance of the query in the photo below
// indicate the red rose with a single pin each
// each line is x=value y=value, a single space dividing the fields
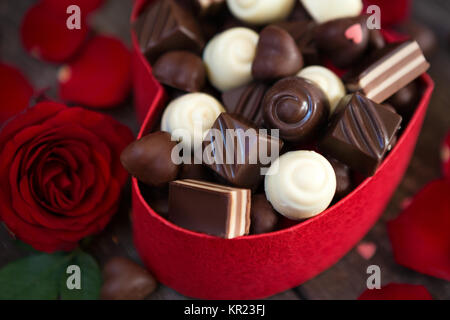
x=60 y=174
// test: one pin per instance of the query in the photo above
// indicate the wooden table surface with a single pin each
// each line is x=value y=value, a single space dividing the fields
x=346 y=279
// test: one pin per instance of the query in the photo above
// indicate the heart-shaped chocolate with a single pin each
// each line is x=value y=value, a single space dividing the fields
x=150 y=159
x=124 y=279
x=343 y=41
x=277 y=55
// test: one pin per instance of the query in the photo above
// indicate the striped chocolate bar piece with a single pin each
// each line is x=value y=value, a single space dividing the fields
x=389 y=71
x=210 y=208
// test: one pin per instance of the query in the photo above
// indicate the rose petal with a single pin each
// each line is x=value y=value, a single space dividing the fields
x=45 y=34
x=16 y=92
x=113 y=133
x=397 y=291
x=33 y=116
x=100 y=77
x=420 y=235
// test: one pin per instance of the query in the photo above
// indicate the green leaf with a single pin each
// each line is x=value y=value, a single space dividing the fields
x=90 y=276
x=25 y=247
x=34 y=277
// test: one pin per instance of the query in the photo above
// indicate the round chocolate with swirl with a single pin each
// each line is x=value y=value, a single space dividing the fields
x=300 y=184
x=297 y=107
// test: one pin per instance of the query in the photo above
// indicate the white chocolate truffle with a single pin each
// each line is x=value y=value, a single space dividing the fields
x=300 y=184
x=326 y=10
x=190 y=116
x=328 y=81
x=260 y=11
x=229 y=56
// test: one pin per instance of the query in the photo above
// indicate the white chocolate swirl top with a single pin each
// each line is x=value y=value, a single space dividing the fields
x=190 y=116
x=260 y=11
x=229 y=56
x=300 y=184
x=326 y=10
x=326 y=80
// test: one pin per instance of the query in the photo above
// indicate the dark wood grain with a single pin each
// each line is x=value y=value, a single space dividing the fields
x=345 y=280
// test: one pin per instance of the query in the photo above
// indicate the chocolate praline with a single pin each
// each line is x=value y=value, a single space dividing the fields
x=182 y=70
x=277 y=55
x=359 y=133
x=404 y=100
x=263 y=217
x=303 y=33
x=244 y=170
x=344 y=41
x=344 y=183
x=165 y=25
x=297 y=107
x=424 y=35
x=124 y=279
x=149 y=159
x=246 y=101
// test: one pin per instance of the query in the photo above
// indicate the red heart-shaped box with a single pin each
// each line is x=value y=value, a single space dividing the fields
x=207 y=267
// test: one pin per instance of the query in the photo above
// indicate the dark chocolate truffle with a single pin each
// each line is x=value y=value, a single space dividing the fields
x=263 y=217
x=344 y=183
x=303 y=33
x=297 y=107
x=124 y=279
x=404 y=100
x=149 y=159
x=344 y=41
x=423 y=34
x=182 y=70
x=277 y=55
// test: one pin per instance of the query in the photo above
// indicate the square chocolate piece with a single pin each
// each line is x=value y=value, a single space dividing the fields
x=210 y=208
x=166 y=26
x=360 y=133
x=237 y=152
